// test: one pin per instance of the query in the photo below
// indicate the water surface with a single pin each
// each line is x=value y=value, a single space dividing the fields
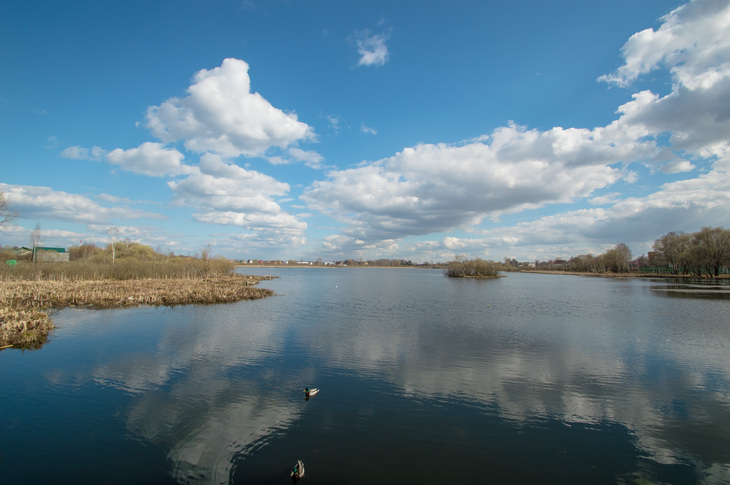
x=423 y=378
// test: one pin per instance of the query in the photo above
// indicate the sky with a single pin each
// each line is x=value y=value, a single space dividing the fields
x=419 y=130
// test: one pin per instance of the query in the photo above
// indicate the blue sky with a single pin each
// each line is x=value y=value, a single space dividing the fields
x=418 y=130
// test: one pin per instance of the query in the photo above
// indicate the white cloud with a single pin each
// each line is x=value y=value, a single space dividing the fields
x=310 y=158
x=372 y=49
x=693 y=43
x=222 y=115
x=690 y=42
x=605 y=199
x=115 y=199
x=258 y=221
x=669 y=162
x=677 y=166
x=430 y=189
x=224 y=186
x=436 y=188
x=686 y=205
x=151 y=159
x=44 y=203
x=248 y=244
x=230 y=195
x=81 y=153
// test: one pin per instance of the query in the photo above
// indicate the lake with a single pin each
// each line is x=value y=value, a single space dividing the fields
x=529 y=378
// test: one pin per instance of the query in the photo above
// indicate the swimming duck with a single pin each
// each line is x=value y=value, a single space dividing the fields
x=298 y=471
x=310 y=392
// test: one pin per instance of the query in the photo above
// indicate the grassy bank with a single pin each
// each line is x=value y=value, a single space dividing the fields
x=27 y=296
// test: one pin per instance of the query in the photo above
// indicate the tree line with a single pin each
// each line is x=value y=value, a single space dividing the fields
x=705 y=252
x=702 y=253
x=615 y=260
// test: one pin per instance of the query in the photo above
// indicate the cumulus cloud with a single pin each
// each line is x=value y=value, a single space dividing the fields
x=151 y=159
x=372 y=49
x=220 y=114
x=693 y=44
x=230 y=195
x=435 y=188
x=682 y=205
x=430 y=189
x=37 y=202
x=221 y=185
x=690 y=42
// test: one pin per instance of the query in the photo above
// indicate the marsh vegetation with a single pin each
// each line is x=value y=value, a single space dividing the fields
x=29 y=291
x=472 y=268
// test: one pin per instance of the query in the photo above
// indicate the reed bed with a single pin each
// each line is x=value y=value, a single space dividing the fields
x=121 y=270
x=25 y=328
x=26 y=303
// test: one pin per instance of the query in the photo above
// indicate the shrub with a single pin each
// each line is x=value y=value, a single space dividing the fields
x=473 y=268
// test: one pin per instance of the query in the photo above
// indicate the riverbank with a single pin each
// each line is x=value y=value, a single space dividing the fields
x=26 y=304
x=625 y=275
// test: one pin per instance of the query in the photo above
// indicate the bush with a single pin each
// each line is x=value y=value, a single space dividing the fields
x=473 y=268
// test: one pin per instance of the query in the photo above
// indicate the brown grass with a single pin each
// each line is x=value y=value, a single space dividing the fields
x=24 y=311
x=122 y=270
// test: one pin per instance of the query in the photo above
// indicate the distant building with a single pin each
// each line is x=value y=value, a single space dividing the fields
x=44 y=254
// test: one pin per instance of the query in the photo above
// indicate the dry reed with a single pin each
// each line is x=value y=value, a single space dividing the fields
x=24 y=311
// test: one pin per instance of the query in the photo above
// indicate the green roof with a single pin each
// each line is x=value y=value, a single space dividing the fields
x=41 y=248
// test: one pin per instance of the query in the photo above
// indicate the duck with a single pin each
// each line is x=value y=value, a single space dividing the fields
x=298 y=471
x=310 y=392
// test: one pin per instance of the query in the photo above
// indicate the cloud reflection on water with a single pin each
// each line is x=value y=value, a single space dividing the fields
x=187 y=401
x=214 y=387
x=613 y=358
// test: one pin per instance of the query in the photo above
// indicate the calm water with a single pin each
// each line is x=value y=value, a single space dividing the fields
x=424 y=379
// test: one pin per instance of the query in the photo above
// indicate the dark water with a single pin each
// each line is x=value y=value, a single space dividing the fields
x=424 y=379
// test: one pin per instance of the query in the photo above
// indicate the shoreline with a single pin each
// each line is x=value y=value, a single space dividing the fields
x=25 y=320
x=625 y=275
x=505 y=272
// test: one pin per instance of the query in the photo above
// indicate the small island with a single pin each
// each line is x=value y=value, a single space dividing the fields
x=29 y=290
x=472 y=268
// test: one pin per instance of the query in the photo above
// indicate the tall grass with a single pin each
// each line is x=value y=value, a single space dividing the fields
x=87 y=270
x=29 y=291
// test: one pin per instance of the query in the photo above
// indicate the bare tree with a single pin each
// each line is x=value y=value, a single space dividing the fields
x=669 y=250
x=205 y=253
x=706 y=251
x=713 y=246
x=7 y=214
x=35 y=239
x=617 y=259
x=113 y=231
